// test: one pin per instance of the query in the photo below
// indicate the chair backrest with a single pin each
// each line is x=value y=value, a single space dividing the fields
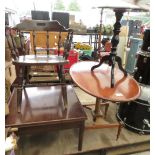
x=10 y=44
x=15 y=43
x=47 y=28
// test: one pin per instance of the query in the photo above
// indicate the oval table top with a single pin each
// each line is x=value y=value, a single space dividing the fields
x=98 y=82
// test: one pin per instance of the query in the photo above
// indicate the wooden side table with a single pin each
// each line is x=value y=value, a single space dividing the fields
x=43 y=109
x=97 y=83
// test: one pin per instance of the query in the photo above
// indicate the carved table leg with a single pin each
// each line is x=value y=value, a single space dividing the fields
x=112 y=58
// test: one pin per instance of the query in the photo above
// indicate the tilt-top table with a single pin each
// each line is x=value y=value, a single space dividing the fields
x=108 y=82
x=97 y=83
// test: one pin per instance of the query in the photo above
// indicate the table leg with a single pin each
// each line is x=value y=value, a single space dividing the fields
x=81 y=132
x=120 y=126
x=64 y=89
x=64 y=95
x=19 y=87
x=26 y=74
x=60 y=73
x=97 y=111
x=97 y=106
x=19 y=99
x=106 y=109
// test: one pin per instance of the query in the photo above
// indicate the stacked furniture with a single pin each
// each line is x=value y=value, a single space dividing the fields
x=43 y=106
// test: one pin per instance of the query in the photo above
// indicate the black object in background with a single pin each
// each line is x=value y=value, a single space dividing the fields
x=146 y=40
x=40 y=15
x=62 y=18
x=142 y=74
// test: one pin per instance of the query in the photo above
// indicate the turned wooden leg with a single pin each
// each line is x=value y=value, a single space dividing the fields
x=119 y=129
x=97 y=109
x=97 y=112
x=97 y=106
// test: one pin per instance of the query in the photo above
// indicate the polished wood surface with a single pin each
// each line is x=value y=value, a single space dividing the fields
x=97 y=83
x=44 y=105
x=43 y=109
x=23 y=64
x=40 y=60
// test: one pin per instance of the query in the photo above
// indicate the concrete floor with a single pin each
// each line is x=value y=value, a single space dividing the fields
x=142 y=153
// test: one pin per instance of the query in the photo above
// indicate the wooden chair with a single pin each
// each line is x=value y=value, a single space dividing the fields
x=47 y=27
x=45 y=34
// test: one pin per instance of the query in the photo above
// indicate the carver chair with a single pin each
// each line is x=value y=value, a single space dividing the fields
x=46 y=37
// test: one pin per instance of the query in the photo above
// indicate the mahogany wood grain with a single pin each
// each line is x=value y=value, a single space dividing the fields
x=43 y=109
x=44 y=105
x=97 y=82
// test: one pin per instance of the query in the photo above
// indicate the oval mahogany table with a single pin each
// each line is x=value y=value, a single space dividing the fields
x=98 y=84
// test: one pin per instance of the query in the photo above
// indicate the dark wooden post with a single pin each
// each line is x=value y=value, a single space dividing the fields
x=34 y=42
x=59 y=43
x=47 y=42
x=115 y=41
x=21 y=37
x=112 y=58
x=100 y=34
